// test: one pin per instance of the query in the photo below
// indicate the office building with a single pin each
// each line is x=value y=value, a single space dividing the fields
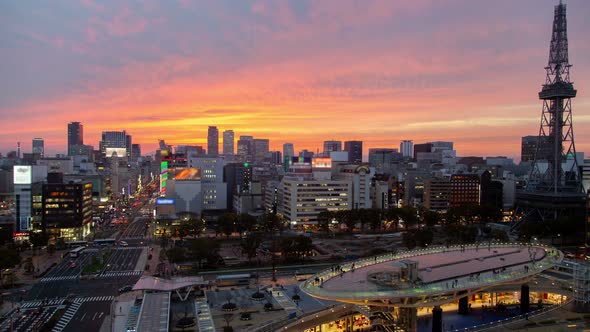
x=288 y=150
x=437 y=194
x=424 y=148
x=359 y=178
x=135 y=152
x=115 y=143
x=528 y=148
x=332 y=146
x=382 y=158
x=245 y=148
x=261 y=149
x=38 y=147
x=67 y=210
x=212 y=141
x=406 y=147
x=304 y=199
x=228 y=142
x=28 y=181
x=355 y=151
x=75 y=137
x=465 y=189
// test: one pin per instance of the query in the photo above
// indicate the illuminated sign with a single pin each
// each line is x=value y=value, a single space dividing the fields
x=301 y=160
x=186 y=174
x=165 y=201
x=23 y=174
x=121 y=152
x=20 y=234
x=321 y=162
x=163 y=177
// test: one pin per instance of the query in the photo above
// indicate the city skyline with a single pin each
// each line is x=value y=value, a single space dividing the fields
x=291 y=72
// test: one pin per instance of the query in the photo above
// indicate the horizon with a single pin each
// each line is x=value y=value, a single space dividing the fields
x=299 y=72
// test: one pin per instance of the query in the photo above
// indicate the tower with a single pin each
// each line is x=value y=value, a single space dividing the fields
x=75 y=137
x=212 y=141
x=554 y=189
x=228 y=142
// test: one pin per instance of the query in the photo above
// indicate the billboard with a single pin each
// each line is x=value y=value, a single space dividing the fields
x=321 y=162
x=187 y=174
x=121 y=152
x=165 y=201
x=163 y=177
x=23 y=174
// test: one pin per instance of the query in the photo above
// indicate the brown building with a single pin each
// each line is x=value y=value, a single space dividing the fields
x=437 y=194
x=464 y=189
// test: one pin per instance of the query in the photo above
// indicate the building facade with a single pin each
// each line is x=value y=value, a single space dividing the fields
x=355 y=151
x=75 y=136
x=39 y=147
x=437 y=194
x=115 y=142
x=406 y=147
x=465 y=189
x=228 y=142
x=67 y=210
x=212 y=141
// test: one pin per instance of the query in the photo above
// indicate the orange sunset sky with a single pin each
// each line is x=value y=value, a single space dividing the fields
x=296 y=71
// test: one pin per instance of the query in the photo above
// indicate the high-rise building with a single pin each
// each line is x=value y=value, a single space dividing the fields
x=135 y=152
x=67 y=210
x=355 y=151
x=332 y=146
x=528 y=148
x=228 y=142
x=424 y=147
x=75 y=136
x=406 y=147
x=212 y=141
x=261 y=149
x=38 y=147
x=288 y=150
x=245 y=148
x=381 y=158
x=115 y=142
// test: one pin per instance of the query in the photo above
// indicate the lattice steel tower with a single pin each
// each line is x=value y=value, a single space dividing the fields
x=554 y=188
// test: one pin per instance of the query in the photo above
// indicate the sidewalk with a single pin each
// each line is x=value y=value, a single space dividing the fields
x=41 y=263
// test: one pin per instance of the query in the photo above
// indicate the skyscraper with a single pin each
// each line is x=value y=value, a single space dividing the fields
x=213 y=141
x=228 y=142
x=406 y=147
x=355 y=151
x=288 y=150
x=115 y=142
x=261 y=149
x=38 y=146
x=75 y=137
x=245 y=148
x=332 y=146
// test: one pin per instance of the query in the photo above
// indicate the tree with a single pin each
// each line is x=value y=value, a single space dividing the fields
x=204 y=249
x=8 y=260
x=392 y=217
x=409 y=215
x=250 y=245
x=324 y=219
x=272 y=223
x=226 y=223
x=38 y=239
x=246 y=223
x=176 y=254
x=296 y=246
x=430 y=218
x=409 y=239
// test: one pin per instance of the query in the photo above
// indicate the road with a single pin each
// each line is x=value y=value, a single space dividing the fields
x=89 y=300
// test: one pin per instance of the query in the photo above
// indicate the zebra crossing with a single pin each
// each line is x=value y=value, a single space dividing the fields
x=120 y=274
x=34 y=304
x=60 y=278
x=95 y=299
x=132 y=248
x=67 y=316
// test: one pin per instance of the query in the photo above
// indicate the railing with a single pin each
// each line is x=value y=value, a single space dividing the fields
x=510 y=320
x=553 y=256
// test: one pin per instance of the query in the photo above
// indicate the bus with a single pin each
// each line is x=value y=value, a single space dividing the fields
x=233 y=280
x=104 y=242
x=76 y=244
x=76 y=252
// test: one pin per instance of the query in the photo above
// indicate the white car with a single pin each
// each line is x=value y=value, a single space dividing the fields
x=123 y=244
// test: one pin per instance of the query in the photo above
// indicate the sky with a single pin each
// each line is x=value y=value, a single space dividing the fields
x=301 y=71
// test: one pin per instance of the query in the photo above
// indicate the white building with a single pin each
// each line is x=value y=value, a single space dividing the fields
x=406 y=147
x=360 y=178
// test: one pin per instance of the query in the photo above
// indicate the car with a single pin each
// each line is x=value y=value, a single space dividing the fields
x=123 y=244
x=72 y=265
x=124 y=289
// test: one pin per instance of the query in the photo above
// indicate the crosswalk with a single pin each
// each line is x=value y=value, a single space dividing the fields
x=34 y=304
x=67 y=316
x=132 y=248
x=60 y=278
x=95 y=299
x=120 y=274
